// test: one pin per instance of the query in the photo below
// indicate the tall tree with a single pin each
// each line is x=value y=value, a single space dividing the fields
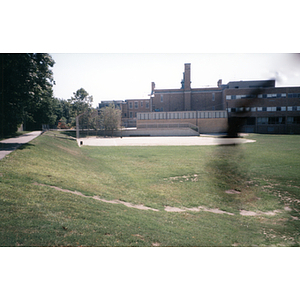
x=26 y=91
x=81 y=101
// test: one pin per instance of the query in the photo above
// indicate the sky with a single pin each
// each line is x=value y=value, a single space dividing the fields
x=121 y=76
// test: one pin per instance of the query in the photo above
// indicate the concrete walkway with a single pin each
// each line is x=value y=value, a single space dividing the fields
x=161 y=141
x=9 y=145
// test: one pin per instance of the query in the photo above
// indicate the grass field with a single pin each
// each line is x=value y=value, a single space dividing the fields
x=245 y=195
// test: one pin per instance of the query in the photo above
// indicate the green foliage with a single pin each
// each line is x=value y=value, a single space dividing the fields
x=81 y=102
x=26 y=91
x=110 y=118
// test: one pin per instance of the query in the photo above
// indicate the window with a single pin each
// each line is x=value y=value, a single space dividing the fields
x=259 y=109
x=281 y=95
x=264 y=109
x=294 y=95
x=213 y=96
x=253 y=108
x=147 y=104
x=250 y=121
x=290 y=108
x=142 y=104
x=229 y=109
x=136 y=105
x=271 y=121
x=130 y=105
x=293 y=120
x=161 y=98
x=130 y=114
x=271 y=108
x=262 y=121
x=283 y=108
x=228 y=97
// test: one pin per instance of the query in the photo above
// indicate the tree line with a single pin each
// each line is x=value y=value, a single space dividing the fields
x=26 y=89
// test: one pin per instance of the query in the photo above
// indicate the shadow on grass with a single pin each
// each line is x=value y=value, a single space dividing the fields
x=69 y=133
x=229 y=173
x=26 y=146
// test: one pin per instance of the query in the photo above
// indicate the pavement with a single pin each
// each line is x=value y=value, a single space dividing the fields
x=9 y=145
x=162 y=141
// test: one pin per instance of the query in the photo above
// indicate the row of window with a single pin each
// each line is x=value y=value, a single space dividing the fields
x=264 y=96
x=277 y=120
x=182 y=115
x=136 y=104
x=270 y=120
x=270 y=108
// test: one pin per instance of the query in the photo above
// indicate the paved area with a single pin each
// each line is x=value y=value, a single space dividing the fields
x=9 y=145
x=162 y=141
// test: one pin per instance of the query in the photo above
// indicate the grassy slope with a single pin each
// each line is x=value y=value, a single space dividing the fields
x=266 y=173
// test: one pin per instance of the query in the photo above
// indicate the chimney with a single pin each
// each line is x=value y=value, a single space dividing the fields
x=152 y=88
x=187 y=76
x=219 y=82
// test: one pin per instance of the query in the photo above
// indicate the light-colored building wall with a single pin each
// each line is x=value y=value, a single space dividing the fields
x=205 y=121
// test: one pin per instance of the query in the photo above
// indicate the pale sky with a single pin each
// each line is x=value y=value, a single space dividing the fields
x=118 y=76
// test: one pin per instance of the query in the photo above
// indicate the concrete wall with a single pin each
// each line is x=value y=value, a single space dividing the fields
x=212 y=125
x=158 y=132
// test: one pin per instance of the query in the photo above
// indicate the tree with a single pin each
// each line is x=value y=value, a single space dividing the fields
x=110 y=118
x=81 y=101
x=26 y=91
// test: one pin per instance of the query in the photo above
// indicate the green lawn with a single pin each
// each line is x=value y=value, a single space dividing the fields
x=264 y=175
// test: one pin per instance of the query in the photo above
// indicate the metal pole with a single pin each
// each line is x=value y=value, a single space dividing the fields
x=77 y=127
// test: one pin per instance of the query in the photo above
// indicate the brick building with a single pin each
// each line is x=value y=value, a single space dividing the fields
x=256 y=106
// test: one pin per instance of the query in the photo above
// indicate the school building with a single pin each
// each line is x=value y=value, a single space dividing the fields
x=255 y=106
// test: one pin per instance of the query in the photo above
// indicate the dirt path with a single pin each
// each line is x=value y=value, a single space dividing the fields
x=167 y=208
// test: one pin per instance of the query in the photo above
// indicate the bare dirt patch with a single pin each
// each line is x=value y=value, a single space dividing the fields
x=232 y=192
x=138 y=206
x=167 y=208
x=197 y=209
x=259 y=213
